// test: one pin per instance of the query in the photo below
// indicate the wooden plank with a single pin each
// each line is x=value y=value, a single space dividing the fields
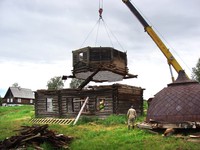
x=84 y=104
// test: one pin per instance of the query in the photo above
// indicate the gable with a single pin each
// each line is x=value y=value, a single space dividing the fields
x=18 y=92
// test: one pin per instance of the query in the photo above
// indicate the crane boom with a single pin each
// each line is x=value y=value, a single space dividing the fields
x=170 y=58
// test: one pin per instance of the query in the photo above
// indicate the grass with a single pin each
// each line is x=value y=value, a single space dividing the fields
x=95 y=134
x=11 y=118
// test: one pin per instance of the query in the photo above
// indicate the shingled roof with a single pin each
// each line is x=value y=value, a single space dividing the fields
x=18 y=92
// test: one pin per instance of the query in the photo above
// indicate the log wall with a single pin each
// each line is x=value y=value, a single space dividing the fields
x=41 y=103
x=117 y=99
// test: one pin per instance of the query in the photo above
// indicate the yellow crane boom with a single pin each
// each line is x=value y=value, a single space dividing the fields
x=170 y=58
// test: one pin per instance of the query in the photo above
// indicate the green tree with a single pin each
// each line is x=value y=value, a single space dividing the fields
x=55 y=83
x=75 y=83
x=196 y=72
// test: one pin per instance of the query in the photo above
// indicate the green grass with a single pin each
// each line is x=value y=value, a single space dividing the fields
x=95 y=134
x=11 y=118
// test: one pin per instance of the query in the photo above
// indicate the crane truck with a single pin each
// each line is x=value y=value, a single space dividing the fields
x=170 y=58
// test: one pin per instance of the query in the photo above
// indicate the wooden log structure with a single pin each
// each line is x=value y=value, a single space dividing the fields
x=110 y=63
x=103 y=101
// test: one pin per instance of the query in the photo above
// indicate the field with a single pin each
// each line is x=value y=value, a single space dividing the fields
x=95 y=134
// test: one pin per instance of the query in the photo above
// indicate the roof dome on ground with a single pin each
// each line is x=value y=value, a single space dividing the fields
x=179 y=102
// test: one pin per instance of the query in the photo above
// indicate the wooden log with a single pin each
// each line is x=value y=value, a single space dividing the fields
x=81 y=111
x=35 y=136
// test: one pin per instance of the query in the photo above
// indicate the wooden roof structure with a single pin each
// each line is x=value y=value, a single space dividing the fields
x=99 y=64
x=19 y=92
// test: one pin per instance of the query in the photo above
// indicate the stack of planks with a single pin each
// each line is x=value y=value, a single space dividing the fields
x=34 y=136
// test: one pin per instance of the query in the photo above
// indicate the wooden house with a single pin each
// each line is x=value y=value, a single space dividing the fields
x=103 y=101
x=18 y=96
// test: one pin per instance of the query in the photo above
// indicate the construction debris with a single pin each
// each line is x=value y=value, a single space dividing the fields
x=188 y=134
x=169 y=131
x=191 y=137
x=34 y=136
x=166 y=125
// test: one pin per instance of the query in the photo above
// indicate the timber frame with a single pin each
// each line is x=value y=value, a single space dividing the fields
x=103 y=101
x=100 y=64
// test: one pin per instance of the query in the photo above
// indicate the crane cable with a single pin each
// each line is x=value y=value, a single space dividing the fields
x=106 y=27
x=100 y=11
x=100 y=18
x=89 y=34
x=100 y=8
x=99 y=22
x=163 y=38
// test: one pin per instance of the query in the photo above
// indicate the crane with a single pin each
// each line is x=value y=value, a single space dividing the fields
x=170 y=58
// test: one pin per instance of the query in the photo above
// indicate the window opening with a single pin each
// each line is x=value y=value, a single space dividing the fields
x=19 y=100
x=77 y=104
x=81 y=56
x=49 y=104
x=101 y=105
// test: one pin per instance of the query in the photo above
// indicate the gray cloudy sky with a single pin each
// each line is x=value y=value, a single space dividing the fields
x=37 y=38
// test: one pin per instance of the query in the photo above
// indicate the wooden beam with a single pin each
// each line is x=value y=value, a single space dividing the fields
x=81 y=110
x=86 y=81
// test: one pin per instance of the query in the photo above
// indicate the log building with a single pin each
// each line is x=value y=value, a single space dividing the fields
x=18 y=96
x=103 y=101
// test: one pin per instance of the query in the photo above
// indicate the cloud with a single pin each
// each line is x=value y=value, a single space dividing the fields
x=37 y=38
x=32 y=75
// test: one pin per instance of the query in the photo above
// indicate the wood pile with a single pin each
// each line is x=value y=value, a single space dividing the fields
x=34 y=136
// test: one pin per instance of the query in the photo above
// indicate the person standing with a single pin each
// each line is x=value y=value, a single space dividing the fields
x=131 y=114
